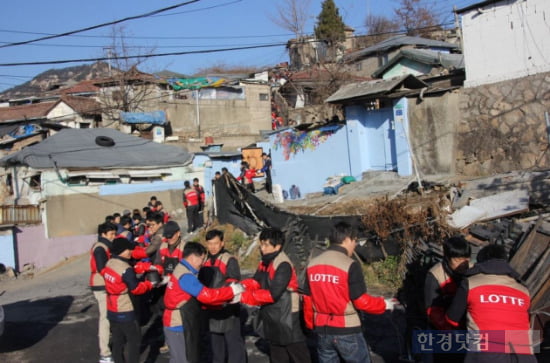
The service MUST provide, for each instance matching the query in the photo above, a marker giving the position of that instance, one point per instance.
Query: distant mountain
(56, 78)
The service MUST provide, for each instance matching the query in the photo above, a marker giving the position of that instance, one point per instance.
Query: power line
(151, 13)
(142, 56)
(205, 51)
(156, 37)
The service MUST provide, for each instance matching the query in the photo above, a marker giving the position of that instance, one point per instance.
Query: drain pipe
(64, 181)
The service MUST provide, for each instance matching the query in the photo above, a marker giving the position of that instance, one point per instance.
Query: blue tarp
(154, 117)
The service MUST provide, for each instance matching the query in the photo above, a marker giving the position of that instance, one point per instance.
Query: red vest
(500, 303)
(328, 283)
(118, 299)
(174, 298)
(191, 197)
(168, 259)
(95, 277)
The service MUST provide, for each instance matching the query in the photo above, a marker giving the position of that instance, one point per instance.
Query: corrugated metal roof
(426, 56)
(399, 41)
(378, 87)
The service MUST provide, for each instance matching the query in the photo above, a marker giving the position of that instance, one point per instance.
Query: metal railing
(20, 214)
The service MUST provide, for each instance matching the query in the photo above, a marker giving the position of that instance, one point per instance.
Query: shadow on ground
(29, 321)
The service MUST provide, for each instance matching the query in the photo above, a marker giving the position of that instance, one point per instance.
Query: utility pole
(457, 29)
(109, 54)
(198, 96)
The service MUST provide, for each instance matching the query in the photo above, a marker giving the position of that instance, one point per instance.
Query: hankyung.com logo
(462, 341)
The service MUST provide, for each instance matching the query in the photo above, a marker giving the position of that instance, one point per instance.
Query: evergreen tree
(330, 26)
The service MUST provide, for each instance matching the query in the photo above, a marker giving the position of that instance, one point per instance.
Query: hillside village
(471, 103)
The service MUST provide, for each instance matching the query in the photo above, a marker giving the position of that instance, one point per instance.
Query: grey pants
(176, 343)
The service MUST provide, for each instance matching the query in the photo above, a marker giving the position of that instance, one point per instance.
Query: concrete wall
(502, 126)
(79, 214)
(432, 125)
(7, 247)
(34, 248)
(222, 117)
(507, 40)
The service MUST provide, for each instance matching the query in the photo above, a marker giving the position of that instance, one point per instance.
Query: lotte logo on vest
(501, 299)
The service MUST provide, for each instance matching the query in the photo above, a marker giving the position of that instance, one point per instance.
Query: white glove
(390, 303)
(236, 299)
(237, 288)
(164, 281)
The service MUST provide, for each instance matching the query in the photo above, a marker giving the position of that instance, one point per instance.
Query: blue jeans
(351, 348)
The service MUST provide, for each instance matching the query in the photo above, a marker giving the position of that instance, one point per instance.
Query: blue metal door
(380, 140)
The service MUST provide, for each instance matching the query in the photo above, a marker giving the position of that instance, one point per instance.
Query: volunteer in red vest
(274, 288)
(224, 323)
(494, 301)
(191, 201)
(99, 255)
(202, 201)
(171, 249)
(334, 291)
(120, 282)
(443, 279)
(184, 292)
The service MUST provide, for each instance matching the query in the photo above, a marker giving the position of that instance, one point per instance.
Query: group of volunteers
(200, 292)
(202, 281)
(486, 300)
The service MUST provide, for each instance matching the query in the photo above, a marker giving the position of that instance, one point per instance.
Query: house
(420, 62)
(401, 124)
(27, 124)
(82, 175)
(56, 192)
(366, 61)
(505, 39)
(233, 111)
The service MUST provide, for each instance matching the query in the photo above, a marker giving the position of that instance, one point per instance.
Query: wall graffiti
(294, 141)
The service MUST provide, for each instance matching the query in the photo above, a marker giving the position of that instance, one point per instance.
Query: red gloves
(138, 253)
(256, 297)
(142, 267)
(250, 284)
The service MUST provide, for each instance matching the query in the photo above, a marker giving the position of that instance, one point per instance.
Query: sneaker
(106, 359)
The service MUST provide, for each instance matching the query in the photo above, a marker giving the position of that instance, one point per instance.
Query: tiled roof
(87, 86)
(83, 105)
(32, 111)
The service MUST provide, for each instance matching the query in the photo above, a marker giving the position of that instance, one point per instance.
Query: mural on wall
(293, 141)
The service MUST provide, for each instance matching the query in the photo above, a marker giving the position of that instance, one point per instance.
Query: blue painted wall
(309, 169)
(212, 165)
(7, 249)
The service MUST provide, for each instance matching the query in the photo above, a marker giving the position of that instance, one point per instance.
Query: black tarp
(237, 206)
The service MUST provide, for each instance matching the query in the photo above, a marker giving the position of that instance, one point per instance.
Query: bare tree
(416, 18)
(292, 15)
(379, 25)
(126, 89)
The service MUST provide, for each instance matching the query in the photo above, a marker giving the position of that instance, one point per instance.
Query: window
(264, 97)
(34, 182)
(382, 60)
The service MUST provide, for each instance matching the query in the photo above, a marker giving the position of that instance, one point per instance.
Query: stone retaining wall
(502, 127)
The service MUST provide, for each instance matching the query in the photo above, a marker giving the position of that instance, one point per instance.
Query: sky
(197, 26)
